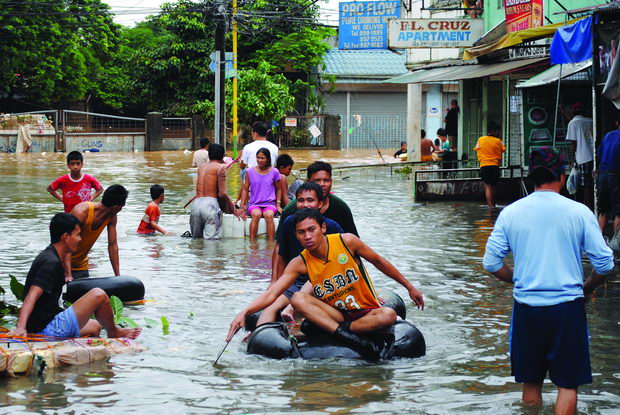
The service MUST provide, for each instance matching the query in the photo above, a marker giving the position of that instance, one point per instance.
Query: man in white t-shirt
(248, 154)
(201, 156)
(579, 132)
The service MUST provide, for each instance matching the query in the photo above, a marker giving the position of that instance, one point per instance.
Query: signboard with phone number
(363, 24)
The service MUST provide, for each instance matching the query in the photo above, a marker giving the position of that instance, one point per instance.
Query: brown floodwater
(200, 285)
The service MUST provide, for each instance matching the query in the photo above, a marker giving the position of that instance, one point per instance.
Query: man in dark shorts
(490, 149)
(579, 134)
(608, 178)
(342, 301)
(309, 195)
(547, 234)
(41, 313)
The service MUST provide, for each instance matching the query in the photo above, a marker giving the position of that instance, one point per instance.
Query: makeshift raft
(33, 354)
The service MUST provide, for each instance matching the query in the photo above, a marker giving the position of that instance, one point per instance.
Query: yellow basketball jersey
(79, 259)
(340, 281)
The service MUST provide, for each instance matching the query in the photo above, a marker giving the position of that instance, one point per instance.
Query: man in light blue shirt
(547, 235)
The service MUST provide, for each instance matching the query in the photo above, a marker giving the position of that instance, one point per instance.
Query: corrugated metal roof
(363, 63)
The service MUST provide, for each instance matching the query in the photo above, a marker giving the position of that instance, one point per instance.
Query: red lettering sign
(523, 14)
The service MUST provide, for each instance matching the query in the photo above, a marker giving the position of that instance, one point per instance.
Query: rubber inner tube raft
(273, 339)
(125, 288)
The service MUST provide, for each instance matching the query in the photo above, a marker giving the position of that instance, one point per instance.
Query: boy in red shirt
(148, 224)
(76, 186)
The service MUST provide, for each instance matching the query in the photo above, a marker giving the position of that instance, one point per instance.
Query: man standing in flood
(579, 133)
(489, 149)
(547, 234)
(205, 219)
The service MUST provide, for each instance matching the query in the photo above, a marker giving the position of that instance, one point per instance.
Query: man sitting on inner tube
(343, 300)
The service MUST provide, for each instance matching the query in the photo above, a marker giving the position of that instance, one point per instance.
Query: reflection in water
(200, 285)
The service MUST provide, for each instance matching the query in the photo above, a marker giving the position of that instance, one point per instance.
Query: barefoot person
(94, 218)
(205, 219)
(40, 312)
(343, 300)
(548, 234)
(309, 196)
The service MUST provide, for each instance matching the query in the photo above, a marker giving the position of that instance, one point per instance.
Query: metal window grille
(82, 123)
(177, 128)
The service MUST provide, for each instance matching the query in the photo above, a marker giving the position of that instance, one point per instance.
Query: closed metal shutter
(376, 117)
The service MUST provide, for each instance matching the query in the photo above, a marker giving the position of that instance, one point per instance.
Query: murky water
(200, 285)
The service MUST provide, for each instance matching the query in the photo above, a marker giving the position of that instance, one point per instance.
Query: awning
(552, 74)
(515, 38)
(466, 71)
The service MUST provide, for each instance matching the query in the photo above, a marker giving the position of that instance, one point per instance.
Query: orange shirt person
(490, 149)
(342, 300)
(149, 223)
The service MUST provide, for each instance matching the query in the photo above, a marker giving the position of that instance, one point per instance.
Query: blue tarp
(572, 43)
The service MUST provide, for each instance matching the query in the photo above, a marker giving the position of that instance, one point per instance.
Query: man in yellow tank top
(94, 218)
(341, 298)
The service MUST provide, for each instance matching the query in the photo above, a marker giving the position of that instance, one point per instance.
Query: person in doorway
(490, 149)
(547, 235)
(76, 187)
(608, 178)
(444, 144)
(150, 220)
(452, 122)
(579, 133)
(40, 312)
(95, 217)
(309, 196)
(401, 150)
(205, 218)
(201, 155)
(343, 300)
(427, 148)
(262, 183)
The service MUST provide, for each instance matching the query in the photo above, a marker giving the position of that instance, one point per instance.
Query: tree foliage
(58, 51)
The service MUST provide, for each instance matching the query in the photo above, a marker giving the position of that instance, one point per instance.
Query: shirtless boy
(40, 312)
(205, 219)
(94, 218)
(343, 300)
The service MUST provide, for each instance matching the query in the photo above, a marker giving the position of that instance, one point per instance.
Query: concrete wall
(40, 143)
(177, 144)
(107, 143)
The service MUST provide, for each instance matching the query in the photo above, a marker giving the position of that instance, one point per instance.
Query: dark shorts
(550, 338)
(296, 286)
(80, 274)
(489, 174)
(355, 314)
(585, 174)
(608, 188)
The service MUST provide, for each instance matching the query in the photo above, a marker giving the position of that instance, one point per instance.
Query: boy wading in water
(150, 220)
(76, 186)
(547, 234)
(41, 313)
(205, 219)
(343, 299)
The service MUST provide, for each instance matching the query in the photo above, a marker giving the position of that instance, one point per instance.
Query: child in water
(148, 225)
(263, 185)
(76, 186)
(284, 164)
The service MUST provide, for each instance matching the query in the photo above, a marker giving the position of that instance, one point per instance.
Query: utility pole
(235, 85)
(220, 78)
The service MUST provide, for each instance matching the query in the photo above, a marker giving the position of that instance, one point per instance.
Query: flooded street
(200, 285)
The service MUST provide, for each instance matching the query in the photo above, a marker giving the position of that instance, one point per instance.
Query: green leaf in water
(164, 325)
(150, 323)
(17, 288)
(127, 322)
(117, 308)
(94, 375)
(190, 315)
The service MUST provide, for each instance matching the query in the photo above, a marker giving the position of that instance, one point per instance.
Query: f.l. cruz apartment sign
(434, 33)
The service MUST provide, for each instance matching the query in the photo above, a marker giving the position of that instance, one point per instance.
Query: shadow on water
(200, 285)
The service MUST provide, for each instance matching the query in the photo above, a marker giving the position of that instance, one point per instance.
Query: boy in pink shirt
(148, 224)
(76, 186)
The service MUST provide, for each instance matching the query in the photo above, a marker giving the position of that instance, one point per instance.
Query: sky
(128, 12)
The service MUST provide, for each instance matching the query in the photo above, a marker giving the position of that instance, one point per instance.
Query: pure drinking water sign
(363, 24)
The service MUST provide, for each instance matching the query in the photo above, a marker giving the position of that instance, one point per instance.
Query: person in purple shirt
(608, 178)
(263, 185)
(309, 195)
